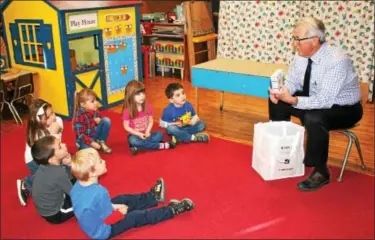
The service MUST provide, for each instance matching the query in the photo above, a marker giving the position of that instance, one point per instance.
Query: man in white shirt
(321, 89)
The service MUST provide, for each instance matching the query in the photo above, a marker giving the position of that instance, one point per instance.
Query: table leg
(221, 100)
(196, 100)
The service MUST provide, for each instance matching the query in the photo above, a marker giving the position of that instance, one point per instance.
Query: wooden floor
(236, 121)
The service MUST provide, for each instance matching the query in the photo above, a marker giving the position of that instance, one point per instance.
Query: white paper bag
(278, 150)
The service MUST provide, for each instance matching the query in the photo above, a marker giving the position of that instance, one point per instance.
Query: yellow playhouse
(74, 44)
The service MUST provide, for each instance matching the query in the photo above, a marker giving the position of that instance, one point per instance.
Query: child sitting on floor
(51, 185)
(42, 122)
(180, 119)
(91, 129)
(138, 120)
(99, 216)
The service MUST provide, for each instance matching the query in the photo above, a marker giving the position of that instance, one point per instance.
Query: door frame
(98, 44)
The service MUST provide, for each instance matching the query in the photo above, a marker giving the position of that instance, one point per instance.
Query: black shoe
(201, 137)
(315, 181)
(322, 171)
(159, 190)
(173, 142)
(133, 150)
(179, 207)
(23, 193)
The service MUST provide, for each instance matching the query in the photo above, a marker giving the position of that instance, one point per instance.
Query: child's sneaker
(179, 207)
(133, 150)
(173, 142)
(104, 147)
(159, 190)
(201, 137)
(23, 193)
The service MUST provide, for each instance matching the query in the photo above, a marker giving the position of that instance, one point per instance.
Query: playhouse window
(84, 53)
(33, 43)
(32, 51)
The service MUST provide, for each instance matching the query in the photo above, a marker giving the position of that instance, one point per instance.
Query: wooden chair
(201, 38)
(3, 100)
(209, 47)
(352, 137)
(24, 87)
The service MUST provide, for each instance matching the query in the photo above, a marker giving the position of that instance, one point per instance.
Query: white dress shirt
(333, 79)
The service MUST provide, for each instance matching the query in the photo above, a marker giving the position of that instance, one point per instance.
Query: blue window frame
(32, 42)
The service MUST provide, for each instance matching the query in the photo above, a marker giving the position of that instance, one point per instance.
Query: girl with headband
(42, 122)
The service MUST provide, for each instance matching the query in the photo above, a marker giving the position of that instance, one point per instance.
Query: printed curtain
(261, 30)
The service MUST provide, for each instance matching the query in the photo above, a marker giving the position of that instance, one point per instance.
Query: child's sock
(192, 137)
(164, 145)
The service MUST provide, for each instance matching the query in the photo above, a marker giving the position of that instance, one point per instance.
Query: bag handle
(295, 144)
(295, 141)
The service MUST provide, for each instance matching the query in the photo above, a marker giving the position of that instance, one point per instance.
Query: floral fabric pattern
(261, 30)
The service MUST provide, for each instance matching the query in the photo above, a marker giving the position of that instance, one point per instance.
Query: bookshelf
(170, 47)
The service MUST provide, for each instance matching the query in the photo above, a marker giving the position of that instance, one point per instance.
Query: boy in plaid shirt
(91, 129)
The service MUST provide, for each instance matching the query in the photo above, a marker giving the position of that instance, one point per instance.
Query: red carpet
(232, 201)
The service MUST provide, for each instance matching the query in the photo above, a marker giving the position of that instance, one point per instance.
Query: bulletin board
(121, 60)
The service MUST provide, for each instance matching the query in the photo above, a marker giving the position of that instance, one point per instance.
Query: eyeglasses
(301, 39)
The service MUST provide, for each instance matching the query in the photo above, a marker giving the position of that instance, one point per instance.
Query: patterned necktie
(306, 81)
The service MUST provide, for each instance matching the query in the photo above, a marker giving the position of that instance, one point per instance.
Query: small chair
(24, 87)
(352, 137)
(201, 37)
(3, 99)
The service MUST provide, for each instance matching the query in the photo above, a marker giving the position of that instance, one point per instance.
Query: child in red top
(91, 129)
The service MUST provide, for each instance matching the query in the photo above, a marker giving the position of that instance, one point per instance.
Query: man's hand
(273, 97)
(284, 95)
(97, 120)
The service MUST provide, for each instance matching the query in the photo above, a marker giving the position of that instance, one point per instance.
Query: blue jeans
(101, 133)
(28, 180)
(137, 214)
(152, 142)
(184, 133)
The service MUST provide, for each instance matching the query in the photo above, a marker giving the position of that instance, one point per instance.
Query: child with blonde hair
(91, 129)
(101, 217)
(42, 122)
(138, 120)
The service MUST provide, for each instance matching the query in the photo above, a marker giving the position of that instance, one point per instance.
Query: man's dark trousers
(318, 123)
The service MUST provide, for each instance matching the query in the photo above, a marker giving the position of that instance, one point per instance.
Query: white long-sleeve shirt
(28, 156)
(333, 79)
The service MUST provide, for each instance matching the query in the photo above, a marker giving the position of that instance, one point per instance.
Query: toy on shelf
(170, 54)
(173, 61)
(169, 47)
